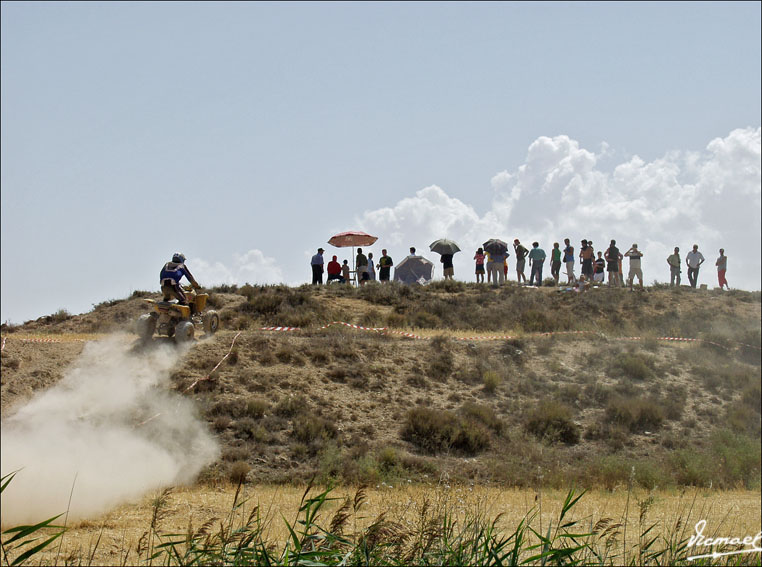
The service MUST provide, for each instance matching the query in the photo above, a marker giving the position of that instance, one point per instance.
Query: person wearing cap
(634, 255)
(317, 267)
(694, 259)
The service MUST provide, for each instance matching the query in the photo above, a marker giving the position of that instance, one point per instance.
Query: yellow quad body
(174, 320)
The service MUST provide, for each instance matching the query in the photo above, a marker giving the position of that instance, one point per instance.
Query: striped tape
(387, 331)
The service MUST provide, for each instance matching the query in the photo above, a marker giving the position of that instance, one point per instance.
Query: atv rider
(170, 277)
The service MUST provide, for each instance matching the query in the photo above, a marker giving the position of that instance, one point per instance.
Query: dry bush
(436, 431)
(291, 406)
(635, 414)
(491, 381)
(309, 429)
(238, 472)
(551, 421)
(482, 414)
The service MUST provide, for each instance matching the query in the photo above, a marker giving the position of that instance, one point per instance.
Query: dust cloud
(111, 430)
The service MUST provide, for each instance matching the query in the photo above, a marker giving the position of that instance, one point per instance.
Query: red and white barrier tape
(386, 330)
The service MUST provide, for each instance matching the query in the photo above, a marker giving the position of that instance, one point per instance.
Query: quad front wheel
(211, 321)
(184, 332)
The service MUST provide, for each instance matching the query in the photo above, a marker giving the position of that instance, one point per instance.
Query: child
(345, 271)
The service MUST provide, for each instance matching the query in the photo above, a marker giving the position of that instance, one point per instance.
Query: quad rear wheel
(184, 332)
(145, 326)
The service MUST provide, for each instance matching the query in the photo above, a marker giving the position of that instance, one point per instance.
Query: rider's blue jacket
(174, 271)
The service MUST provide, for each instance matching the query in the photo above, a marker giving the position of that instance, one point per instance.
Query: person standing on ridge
(317, 267)
(613, 256)
(694, 259)
(635, 270)
(479, 257)
(722, 266)
(536, 260)
(555, 262)
(361, 267)
(674, 267)
(385, 264)
(569, 261)
(521, 254)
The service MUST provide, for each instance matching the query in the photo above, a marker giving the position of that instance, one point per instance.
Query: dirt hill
(458, 381)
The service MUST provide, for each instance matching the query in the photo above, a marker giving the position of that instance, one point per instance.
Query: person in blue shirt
(170, 277)
(536, 260)
(317, 267)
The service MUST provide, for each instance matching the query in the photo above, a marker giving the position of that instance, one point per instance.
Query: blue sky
(246, 134)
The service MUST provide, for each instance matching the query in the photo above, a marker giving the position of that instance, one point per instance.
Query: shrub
(440, 366)
(633, 365)
(482, 414)
(551, 421)
(435, 431)
(238, 472)
(291, 406)
(311, 428)
(491, 381)
(635, 414)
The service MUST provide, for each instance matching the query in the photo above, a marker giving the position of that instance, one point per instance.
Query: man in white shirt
(694, 259)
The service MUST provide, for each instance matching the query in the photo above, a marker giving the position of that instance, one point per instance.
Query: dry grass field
(114, 538)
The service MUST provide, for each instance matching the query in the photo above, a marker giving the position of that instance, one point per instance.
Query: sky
(245, 135)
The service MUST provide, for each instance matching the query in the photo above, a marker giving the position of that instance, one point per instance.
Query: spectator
(447, 268)
(479, 257)
(634, 255)
(694, 259)
(371, 268)
(521, 254)
(317, 267)
(722, 266)
(496, 268)
(582, 284)
(385, 264)
(345, 271)
(674, 267)
(412, 250)
(334, 271)
(613, 256)
(536, 260)
(489, 267)
(599, 268)
(361, 267)
(555, 262)
(587, 256)
(569, 261)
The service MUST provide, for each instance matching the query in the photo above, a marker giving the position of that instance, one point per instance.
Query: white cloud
(710, 198)
(251, 267)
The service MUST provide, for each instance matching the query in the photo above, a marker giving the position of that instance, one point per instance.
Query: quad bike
(171, 319)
